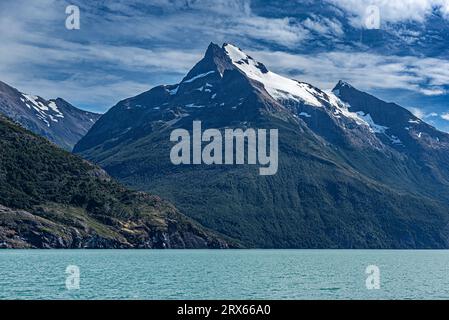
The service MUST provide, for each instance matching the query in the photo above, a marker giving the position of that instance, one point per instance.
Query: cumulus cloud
(445, 116)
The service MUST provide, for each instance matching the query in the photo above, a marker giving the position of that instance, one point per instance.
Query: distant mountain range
(57, 120)
(354, 171)
(50, 198)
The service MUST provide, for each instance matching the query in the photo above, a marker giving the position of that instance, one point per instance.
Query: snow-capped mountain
(400, 126)
(354, 171)
(56, 119)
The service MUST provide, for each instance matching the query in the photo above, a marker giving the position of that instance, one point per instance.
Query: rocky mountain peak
(54, 119)
(215, 62)
(341, 85)
(242, 60)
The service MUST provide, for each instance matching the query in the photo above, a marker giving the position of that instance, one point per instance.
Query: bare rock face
(20, 229)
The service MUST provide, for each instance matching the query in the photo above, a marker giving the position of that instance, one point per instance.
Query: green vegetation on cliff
(51, 198)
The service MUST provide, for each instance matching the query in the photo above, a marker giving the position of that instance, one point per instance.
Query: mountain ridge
(54, 119)
(345, 179)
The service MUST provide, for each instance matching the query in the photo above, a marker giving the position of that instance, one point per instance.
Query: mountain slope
(52, 199)
(421, 149)
(343, 180)
(56, 120)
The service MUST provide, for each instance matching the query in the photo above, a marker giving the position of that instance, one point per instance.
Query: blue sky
(126, 47)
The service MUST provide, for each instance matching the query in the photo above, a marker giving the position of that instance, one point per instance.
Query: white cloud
(95, 91)
(417, 112)
(221, 20)
(433, 91)
(36, 46)
(392, 10)
(445, 116)
(40, 56)
(88, 86)
(323, 26)
(422, 114)
(283, 31)
(365, 70)
(121, 57)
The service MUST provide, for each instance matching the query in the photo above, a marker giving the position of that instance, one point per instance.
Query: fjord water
(224, 274)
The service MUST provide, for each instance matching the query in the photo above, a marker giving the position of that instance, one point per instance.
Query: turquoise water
(215, 274)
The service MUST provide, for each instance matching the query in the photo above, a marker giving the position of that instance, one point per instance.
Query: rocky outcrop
(21, 229)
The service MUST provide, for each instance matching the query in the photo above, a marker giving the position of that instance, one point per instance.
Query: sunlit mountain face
(126, 47)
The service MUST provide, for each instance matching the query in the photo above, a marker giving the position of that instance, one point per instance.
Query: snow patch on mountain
(376, 128)
(192, 105)
(36, 104)
(279, 87)
(342, 109)
(173, 91)
(305, 114)
(359, 117)
(46, 111)
(284, 89)
(395, 140)
(198, 76)
(52, 105)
